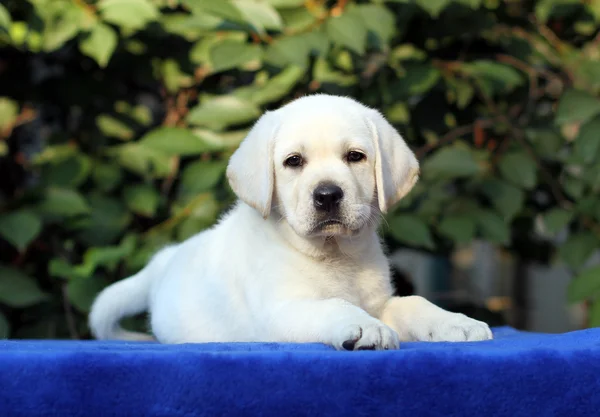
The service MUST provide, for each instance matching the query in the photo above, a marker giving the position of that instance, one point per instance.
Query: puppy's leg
(416, 319)
(333, 321)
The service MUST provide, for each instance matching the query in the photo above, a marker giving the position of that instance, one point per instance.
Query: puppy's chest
(346, 280)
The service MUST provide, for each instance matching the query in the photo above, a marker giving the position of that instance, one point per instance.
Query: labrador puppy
(298, 258)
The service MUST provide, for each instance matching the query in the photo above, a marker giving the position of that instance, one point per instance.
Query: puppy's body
(298, 259)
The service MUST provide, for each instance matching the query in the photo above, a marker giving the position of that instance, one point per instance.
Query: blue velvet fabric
(517, 374)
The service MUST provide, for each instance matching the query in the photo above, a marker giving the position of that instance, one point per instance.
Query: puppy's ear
(250, 171)
(396, 167)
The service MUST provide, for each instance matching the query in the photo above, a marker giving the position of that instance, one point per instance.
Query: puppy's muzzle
(327, 197)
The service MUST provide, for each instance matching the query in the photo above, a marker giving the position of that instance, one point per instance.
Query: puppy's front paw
(453, 327)
(373, 335)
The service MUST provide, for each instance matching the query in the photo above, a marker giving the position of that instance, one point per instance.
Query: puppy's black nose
(327, 197)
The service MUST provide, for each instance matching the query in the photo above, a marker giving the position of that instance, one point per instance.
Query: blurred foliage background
(117, 118)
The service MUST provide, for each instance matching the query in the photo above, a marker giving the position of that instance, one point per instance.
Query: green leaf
(379, 20)
(494, 77)
(173, 141)
(473, 4)
(58, 267)
(280, 4)
(18, 33)
(573, 186)
(298, 19)
(201, 176)
(149, 246)
(578, 248)
(18, 290)
(547, 142)
(544, 9)
(221, 8)
(576, 106)
(111, 126)
(273, 89)
(82, 292)
(107, 176)
(63, 22)
(323, 72)
(59, 202)
(296, 49)
(587, 205)
(144, 161)
(5, 23)
(107, 256)
(128, 14)
(411, 230)
(587, 144)
(464, 93)
(140, 113)
(348, 30)
(459, 228)
(398, 113)
(406, 52)
(587, 72)
(433, 7)
(259, 14)
(585, 285)
(100, 44)
(173, 76)
(220, 112)
(200, 52)
(594, 314)
(556, 219)
(4, 325)
(189, 26)
(450, 162)
(232, 54)
(288, 50)
(520, 169)
(20, 227)
(418, 79)
(55, 154)
(9, 109)
(591, 175)
(506, 198)
(203, 211)
(66, 173)
(142, 199)
(108, 220)
(492, 227)
(432, 201)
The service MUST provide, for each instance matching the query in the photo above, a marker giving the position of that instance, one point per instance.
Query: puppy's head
(328, 165)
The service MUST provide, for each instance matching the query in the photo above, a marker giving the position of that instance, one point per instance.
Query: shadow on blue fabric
(517, 374)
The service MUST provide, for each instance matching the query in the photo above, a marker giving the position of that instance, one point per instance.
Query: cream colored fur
(271, 270)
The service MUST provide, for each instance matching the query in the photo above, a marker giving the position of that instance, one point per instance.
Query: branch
(452, 136)
(338, 9)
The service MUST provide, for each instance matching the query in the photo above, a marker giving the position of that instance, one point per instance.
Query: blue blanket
(517, 374)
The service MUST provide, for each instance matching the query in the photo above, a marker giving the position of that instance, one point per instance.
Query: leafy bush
(117, 118)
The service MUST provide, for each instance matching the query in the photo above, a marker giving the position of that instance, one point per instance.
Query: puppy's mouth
(332, 227)
(327, 223)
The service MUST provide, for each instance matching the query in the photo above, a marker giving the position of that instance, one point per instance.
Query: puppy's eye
(294, 161)
(355, 156)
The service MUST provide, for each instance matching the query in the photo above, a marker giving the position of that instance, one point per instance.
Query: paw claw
(451, 327)
(371, 347)
(349, 344)
(372, 335)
